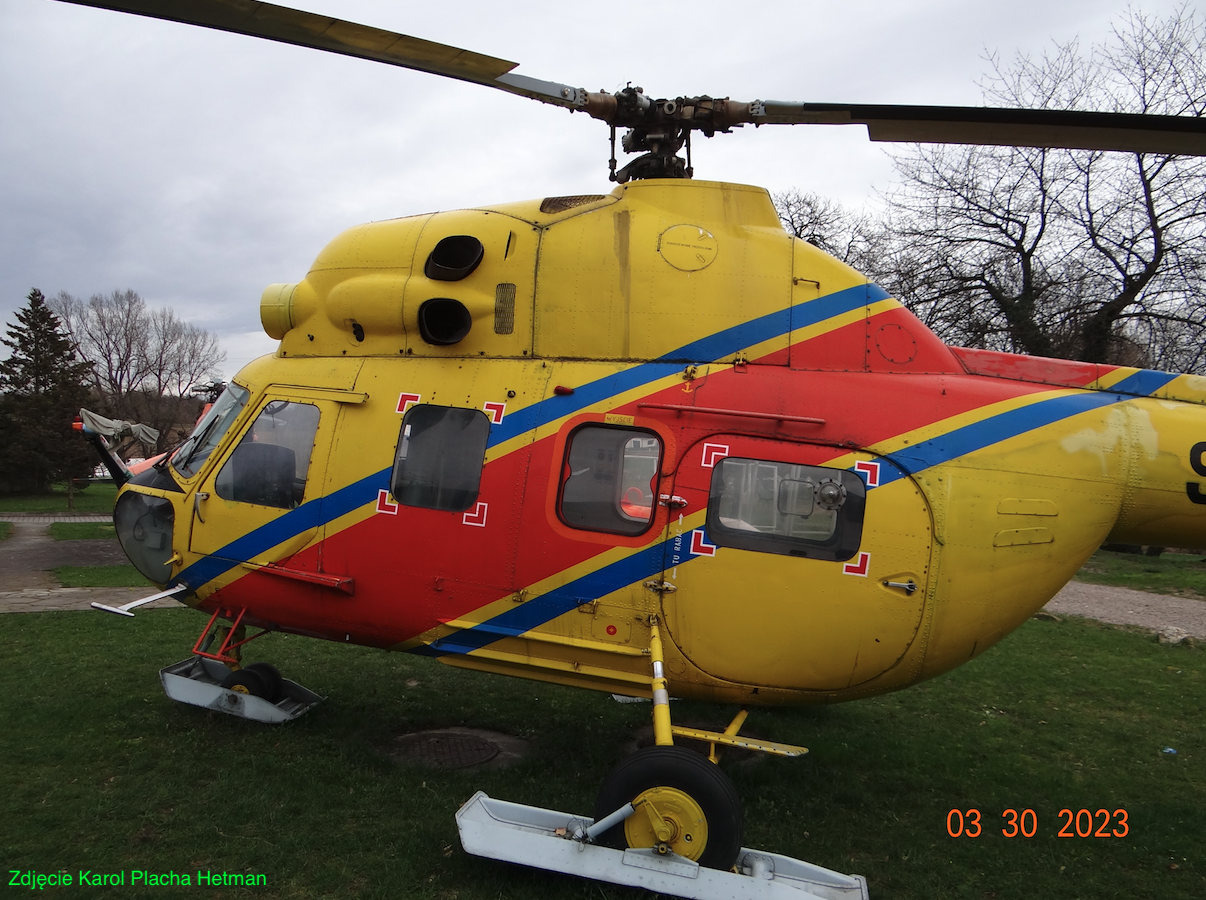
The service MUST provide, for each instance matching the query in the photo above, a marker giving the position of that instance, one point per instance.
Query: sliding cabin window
(787, 508)
(441, 452)
(609, 479)
(272, 461)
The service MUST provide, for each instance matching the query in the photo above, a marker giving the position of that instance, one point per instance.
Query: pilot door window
(272, 461)
(441, 451)
(609, 480)
(787, 508)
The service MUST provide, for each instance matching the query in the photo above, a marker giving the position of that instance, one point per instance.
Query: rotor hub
(659, 129)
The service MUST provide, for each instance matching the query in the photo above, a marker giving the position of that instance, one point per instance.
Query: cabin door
(794, 566)
(247, 508)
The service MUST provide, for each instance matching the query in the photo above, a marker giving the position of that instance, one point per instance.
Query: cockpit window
(272, 462)
(193, 453)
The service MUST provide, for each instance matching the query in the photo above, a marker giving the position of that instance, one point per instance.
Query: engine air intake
(454, 258)
(443, 321)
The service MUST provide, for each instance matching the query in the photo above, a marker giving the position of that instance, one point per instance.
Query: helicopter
(645, 442)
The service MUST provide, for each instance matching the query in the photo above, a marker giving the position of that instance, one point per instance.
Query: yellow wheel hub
(667, 816)
(240, 689)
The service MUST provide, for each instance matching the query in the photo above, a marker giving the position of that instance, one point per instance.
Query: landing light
(144, 528)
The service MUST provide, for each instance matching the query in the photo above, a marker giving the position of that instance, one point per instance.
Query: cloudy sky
(197, 167)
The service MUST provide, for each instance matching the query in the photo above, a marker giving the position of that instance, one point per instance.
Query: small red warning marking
(870, 471)
(405, 400)
(859, 566)
(611, 630)
(713, 453)
(700, 545)
(386, 505)
(495, 411)
(477, 516)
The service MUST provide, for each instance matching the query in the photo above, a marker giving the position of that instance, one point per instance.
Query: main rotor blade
(1070, 129)
(922, 124)
(292, 26)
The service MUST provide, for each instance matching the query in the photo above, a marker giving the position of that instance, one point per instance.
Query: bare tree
(143, 360)
(1086, 255)
(827, 224)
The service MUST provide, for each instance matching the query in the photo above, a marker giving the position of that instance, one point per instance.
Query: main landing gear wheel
(273, 680)
(689, 806)
(247, 681)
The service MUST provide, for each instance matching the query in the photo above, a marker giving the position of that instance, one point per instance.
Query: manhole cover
(446, 749)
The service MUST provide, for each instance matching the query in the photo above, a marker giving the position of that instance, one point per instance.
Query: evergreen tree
(42, 387)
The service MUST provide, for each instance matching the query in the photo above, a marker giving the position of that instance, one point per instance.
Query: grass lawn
(6, 529)
(100, 771)
(96, 498)
(81, 531)
(99, 576)
(1181, 574)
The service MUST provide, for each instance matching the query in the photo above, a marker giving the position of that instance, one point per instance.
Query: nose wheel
(683, 804)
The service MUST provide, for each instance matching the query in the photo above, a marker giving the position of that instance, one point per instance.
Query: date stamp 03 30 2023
(1080, 823)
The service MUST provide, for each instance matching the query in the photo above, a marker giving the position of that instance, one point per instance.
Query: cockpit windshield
(193, 453)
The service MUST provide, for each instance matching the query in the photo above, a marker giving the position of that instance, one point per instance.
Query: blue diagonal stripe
(716, 346)
(1143, 383)
(308, 515)
(1005, 425)
(599, 583)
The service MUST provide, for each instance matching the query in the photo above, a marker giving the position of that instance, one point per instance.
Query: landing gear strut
(682, 803)
(216, 678)
(666, 820)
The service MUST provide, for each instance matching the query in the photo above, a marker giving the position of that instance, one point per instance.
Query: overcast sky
(197, 167)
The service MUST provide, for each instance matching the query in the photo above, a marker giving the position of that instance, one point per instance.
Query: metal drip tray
(198, 682)
(541, 838)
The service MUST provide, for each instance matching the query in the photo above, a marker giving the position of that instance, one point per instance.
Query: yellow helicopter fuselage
(654, 403)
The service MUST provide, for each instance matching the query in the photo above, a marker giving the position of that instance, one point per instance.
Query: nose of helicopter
(144, 527)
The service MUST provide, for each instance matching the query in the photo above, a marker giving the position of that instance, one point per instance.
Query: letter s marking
(1197, 458)
(1198, 464)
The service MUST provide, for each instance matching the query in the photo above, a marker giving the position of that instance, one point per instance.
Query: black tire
(246, 681)
(272, 679)
(686, 772)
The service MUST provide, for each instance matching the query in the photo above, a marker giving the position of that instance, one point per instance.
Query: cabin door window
(787, 508)
(609, 479)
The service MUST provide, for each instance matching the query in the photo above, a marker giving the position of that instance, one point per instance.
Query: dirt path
(1122, 606)
(29, 553)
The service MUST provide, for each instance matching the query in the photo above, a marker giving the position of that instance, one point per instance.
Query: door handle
(907, 586)
(197, 498)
